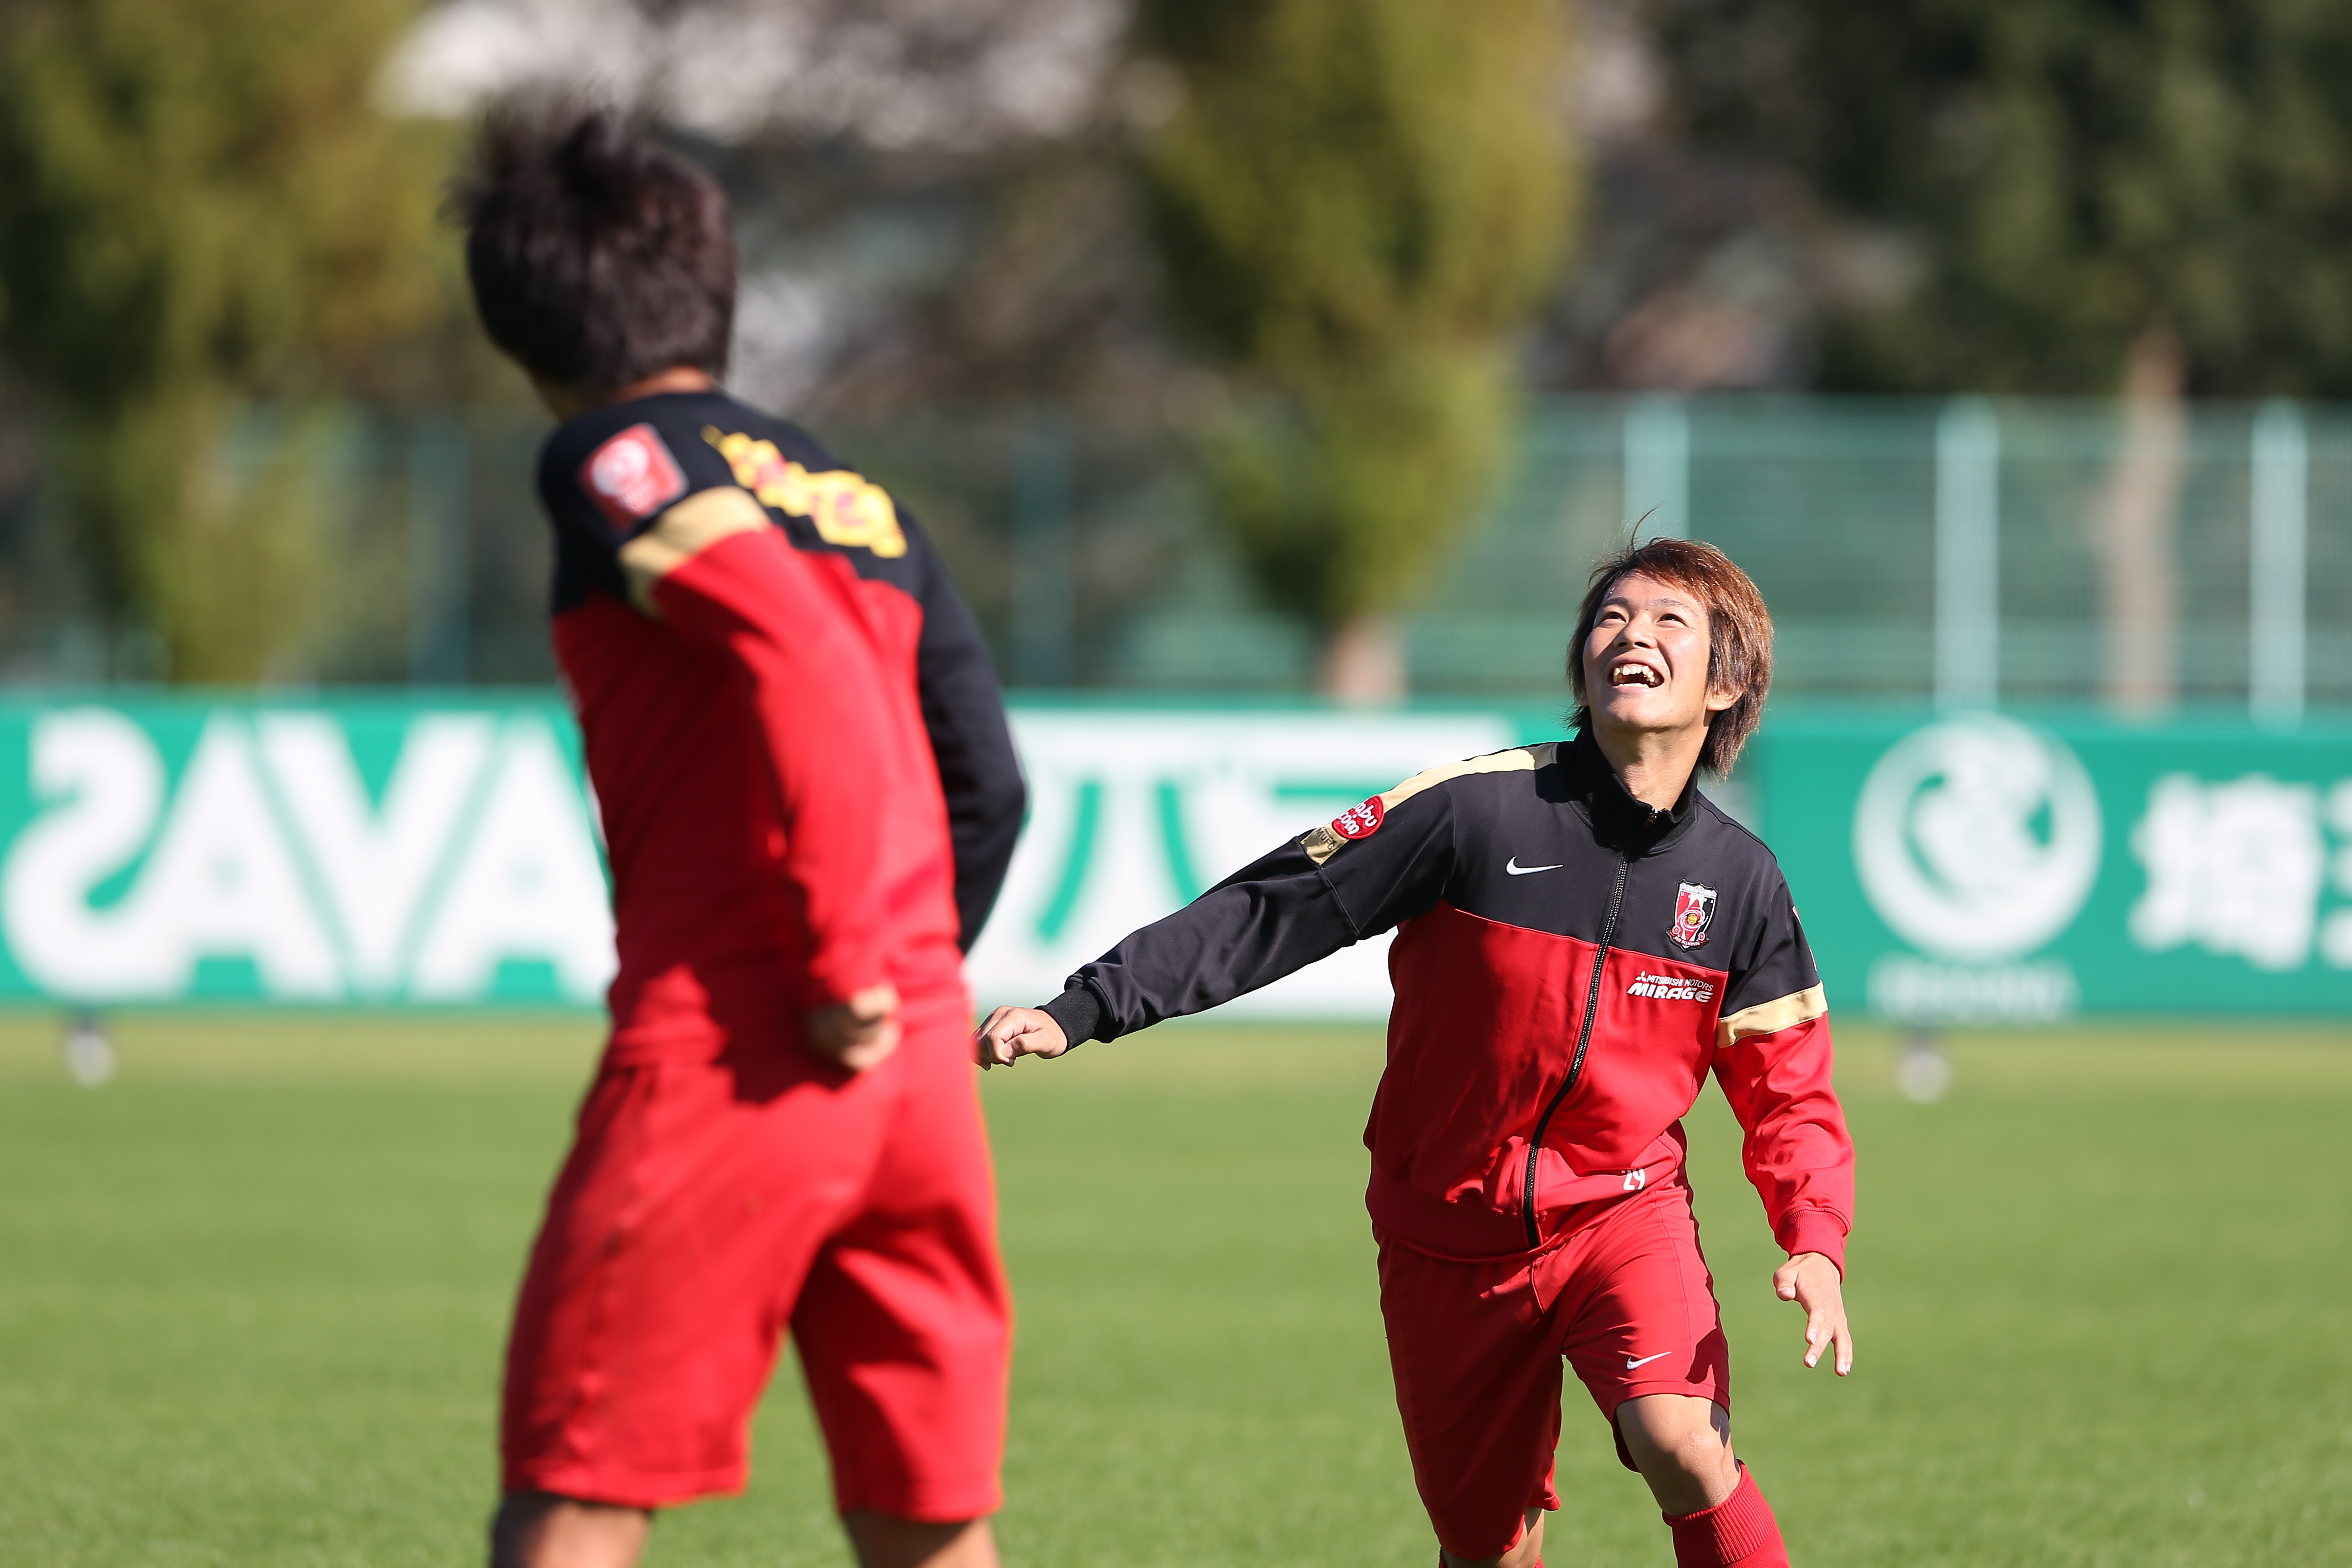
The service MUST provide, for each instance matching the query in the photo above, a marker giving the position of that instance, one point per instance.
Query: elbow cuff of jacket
(1815, 1230)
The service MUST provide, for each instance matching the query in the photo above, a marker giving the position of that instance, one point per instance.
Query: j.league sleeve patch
(631, 476)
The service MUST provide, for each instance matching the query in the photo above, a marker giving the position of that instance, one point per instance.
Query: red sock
(1737, 1532)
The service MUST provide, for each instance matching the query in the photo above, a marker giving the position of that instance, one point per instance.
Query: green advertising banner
(442, 849)
(374, 850)
(1981, 868)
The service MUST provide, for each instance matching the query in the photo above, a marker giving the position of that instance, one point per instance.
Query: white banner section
(1133, 813)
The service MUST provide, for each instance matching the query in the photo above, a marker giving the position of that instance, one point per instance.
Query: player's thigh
(1473, 1351)
(1640, 1315)
(903, 1322)
(726, 1175)
(678, 1237)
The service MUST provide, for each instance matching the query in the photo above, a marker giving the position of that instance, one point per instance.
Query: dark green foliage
(2070, 173)
(1357, 201)
(199, 203)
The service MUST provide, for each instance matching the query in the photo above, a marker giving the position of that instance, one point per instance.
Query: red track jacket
(1569, 965)
(801, 768)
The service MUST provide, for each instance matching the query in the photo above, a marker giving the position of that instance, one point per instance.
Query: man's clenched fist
(1012, 1033)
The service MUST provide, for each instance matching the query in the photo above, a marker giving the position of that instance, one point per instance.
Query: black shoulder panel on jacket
(606, 475)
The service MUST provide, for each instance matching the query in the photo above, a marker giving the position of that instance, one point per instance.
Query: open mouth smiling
(1629, 673)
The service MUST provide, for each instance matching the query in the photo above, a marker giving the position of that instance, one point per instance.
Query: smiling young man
(809, 798)
(1581, 937)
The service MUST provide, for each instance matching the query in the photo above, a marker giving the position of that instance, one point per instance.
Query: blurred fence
(2034, 553)
(1921, 550)
(433, 554)
(2045, 552)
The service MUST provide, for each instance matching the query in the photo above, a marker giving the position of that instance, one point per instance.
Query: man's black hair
(597, 258)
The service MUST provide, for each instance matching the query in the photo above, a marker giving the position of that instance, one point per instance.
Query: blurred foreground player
(810, 798)
(1581, 936)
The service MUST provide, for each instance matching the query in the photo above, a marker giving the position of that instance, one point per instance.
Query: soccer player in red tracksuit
(1581, 937)
(809, 796)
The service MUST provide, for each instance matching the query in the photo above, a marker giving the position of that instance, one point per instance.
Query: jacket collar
(1621, 820)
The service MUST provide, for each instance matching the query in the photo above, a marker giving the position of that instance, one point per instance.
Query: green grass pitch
(252, 1296)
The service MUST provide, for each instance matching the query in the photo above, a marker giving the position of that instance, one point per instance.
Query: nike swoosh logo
(1631, 1364)
(1516, 870)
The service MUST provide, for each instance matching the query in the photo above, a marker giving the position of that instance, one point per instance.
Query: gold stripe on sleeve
(1771, 1017)
(1320, 842)
(684, 532)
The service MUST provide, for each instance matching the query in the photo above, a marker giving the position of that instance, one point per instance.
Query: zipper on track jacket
(1584, 1040)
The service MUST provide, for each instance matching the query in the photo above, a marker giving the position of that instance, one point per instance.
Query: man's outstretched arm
(1271, 918)
(1307, 899)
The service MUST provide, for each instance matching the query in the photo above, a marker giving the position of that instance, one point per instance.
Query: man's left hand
(1812, 1282)
(858, 1033)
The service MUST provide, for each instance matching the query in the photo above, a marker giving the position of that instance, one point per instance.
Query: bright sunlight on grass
(252, 1296)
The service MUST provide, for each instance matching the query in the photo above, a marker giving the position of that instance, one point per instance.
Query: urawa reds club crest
(1693, 909)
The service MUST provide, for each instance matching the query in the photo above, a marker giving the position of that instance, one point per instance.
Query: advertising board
(1968, 868)
(1983, 867)
(374, 850)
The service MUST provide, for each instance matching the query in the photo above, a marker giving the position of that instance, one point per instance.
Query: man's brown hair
(597, 258)
(1739, 627)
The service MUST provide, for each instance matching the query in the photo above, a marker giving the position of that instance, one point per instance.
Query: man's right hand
(858, 1033)
(1012, 1033)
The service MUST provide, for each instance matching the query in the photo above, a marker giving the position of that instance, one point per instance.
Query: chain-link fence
(2022, 552)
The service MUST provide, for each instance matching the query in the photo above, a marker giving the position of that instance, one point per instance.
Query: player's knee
(1670, 1434)
(1525, 1552)
(890, 1541)
(533, 1529)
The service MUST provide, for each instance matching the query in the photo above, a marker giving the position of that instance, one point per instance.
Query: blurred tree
(2092, 193)
(199, 205)
(1357, 202)
(2147, 197)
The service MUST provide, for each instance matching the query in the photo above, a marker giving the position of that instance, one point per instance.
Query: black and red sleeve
(1331, 886)
(963, 709)
(1774, 1059)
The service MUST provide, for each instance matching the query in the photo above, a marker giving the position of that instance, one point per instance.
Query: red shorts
(1475, 1346)
(704, 1207)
